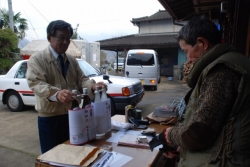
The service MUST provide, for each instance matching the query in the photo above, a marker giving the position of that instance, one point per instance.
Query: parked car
(120, 64)
(15, 92)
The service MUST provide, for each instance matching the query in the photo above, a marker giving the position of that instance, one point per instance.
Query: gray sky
(97, 19)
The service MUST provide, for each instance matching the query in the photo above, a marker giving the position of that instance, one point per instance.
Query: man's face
(193, 52)
(60, 41)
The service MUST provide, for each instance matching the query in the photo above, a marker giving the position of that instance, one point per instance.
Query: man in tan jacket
(51, 75)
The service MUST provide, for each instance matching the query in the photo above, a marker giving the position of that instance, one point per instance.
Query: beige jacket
(44, 78)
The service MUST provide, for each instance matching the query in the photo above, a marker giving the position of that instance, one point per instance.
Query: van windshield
(120, 60)
(145, 59)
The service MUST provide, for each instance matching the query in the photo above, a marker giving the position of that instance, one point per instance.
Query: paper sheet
(132, 141)
(117, 160)
(118, 135)
(120, 160)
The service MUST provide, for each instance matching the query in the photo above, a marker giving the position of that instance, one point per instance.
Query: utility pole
(11, 15)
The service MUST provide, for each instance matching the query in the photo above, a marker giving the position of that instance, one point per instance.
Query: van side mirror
(106, 77)
(127, 73)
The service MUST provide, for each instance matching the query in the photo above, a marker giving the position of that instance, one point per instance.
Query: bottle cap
(85, 91)
(74, 91)
(103, 88)
(97, 89)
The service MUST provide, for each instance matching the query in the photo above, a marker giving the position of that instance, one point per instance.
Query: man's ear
(203, 42)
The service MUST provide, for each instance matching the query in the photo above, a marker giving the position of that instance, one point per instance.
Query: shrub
(5, 65)
(8, 42)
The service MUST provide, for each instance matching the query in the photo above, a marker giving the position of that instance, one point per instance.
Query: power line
(21, 43)
(38, 11)
(30, 22)
(31, 36)
(105, 21)
(89, 23)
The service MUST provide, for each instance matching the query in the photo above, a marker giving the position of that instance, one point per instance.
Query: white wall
(90, 51)
(159, 26)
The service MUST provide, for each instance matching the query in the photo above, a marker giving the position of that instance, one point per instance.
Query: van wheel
(159, 80)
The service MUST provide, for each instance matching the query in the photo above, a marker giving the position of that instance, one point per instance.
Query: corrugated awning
(135, 41)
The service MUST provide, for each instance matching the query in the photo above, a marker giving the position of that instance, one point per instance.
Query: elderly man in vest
(215, 128)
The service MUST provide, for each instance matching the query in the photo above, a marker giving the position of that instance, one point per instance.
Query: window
(21, 72)
(87, 69)
(120, 60)
(141, 59)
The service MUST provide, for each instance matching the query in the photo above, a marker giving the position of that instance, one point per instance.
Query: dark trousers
(53, 131)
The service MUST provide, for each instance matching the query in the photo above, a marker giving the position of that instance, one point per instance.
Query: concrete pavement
(19, 142)
(166, 93)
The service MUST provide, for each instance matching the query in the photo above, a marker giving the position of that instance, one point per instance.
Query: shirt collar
(54, 53)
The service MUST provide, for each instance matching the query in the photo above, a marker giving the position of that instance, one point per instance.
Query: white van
(144, 65)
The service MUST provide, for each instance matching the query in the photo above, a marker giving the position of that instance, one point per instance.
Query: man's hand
(167, 150)
(157, 140)
(174, 153)
(154, 142)
(65, 96)
(99, 86)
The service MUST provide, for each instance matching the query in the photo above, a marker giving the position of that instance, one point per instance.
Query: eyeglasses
(62, 39)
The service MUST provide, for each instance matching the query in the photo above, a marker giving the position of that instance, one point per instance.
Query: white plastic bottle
(98, 113)
(107, 116)
(104, 94)
(97, 95)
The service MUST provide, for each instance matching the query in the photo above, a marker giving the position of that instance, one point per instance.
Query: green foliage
(5, 64)
(8, 42)
(17, 50)
(75, 34)
(103, 58)
(20, 24)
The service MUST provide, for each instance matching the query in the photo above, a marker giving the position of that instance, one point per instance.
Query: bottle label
(82, 125)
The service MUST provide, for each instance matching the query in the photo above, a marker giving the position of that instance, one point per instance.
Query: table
(141, 157)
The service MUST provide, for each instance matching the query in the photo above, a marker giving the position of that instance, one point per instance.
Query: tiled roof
(156, 40)
(160, 15)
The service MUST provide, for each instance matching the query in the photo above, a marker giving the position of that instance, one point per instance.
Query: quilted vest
(232, 147)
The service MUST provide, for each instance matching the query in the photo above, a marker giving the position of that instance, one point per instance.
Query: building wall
(167, 59)
(182, 58)
(160, 26)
